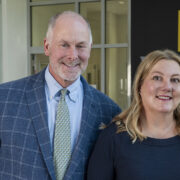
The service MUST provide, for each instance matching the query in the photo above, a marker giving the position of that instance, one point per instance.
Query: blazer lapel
(87, 131)
(37, 104)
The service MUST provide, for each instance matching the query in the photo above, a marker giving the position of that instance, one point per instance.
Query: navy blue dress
(115, 157)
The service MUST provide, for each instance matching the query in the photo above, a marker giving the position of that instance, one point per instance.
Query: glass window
(38, 62)
(38, 0)
(92, 12)
(93, 71)
(40, 19)
(116, 75)
(116, 21)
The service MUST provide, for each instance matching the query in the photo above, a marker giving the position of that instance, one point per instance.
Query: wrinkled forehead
(71, 29)
(71, 19)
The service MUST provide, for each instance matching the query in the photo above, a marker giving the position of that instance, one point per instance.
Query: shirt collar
(54, 87)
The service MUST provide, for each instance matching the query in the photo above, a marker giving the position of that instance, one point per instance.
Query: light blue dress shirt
(74, 101)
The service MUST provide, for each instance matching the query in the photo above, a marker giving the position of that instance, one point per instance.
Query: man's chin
(71, 78)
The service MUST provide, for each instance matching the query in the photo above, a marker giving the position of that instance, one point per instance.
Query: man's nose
(73, 53)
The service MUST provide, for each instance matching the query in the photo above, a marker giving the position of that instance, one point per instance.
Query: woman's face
(160, 91)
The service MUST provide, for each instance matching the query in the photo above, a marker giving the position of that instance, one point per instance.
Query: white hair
(54, 18)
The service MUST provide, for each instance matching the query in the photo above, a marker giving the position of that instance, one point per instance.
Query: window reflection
(38, 62)
(92, 12)
(116, 75)
(93, 71)
(116, 21)
(37, 0)
(40, 19)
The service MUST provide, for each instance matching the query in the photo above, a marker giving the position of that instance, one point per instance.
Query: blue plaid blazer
(25, 150)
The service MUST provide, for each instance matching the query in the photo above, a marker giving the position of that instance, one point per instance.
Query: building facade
(123, 32)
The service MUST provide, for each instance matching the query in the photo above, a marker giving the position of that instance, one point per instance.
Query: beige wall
(14, 40)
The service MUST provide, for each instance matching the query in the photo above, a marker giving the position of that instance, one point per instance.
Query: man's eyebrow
(176, 75)
(83, 43)
(64, 41)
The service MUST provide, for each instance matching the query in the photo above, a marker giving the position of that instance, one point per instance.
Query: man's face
(68, 49)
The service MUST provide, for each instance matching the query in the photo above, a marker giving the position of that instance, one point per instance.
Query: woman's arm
(101, 161)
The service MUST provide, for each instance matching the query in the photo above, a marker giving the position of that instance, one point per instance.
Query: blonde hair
(129, 120)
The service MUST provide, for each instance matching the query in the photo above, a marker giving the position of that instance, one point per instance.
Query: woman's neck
(160, 126)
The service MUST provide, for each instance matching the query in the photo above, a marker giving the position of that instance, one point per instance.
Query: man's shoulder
(21, 84)
(93, 92)
(98, 97)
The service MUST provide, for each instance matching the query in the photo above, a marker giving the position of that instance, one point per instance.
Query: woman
(143, 142)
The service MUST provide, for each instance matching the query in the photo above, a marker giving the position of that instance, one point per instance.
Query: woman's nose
(167, 85)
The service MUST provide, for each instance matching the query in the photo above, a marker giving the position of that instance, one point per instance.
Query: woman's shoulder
(113, 129)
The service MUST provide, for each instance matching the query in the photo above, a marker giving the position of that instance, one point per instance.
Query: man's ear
(46, 47)
(91, 45)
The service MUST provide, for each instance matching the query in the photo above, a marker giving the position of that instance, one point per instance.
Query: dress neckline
(162, 142)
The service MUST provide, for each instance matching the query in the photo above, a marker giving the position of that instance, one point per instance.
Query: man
(28, 108)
